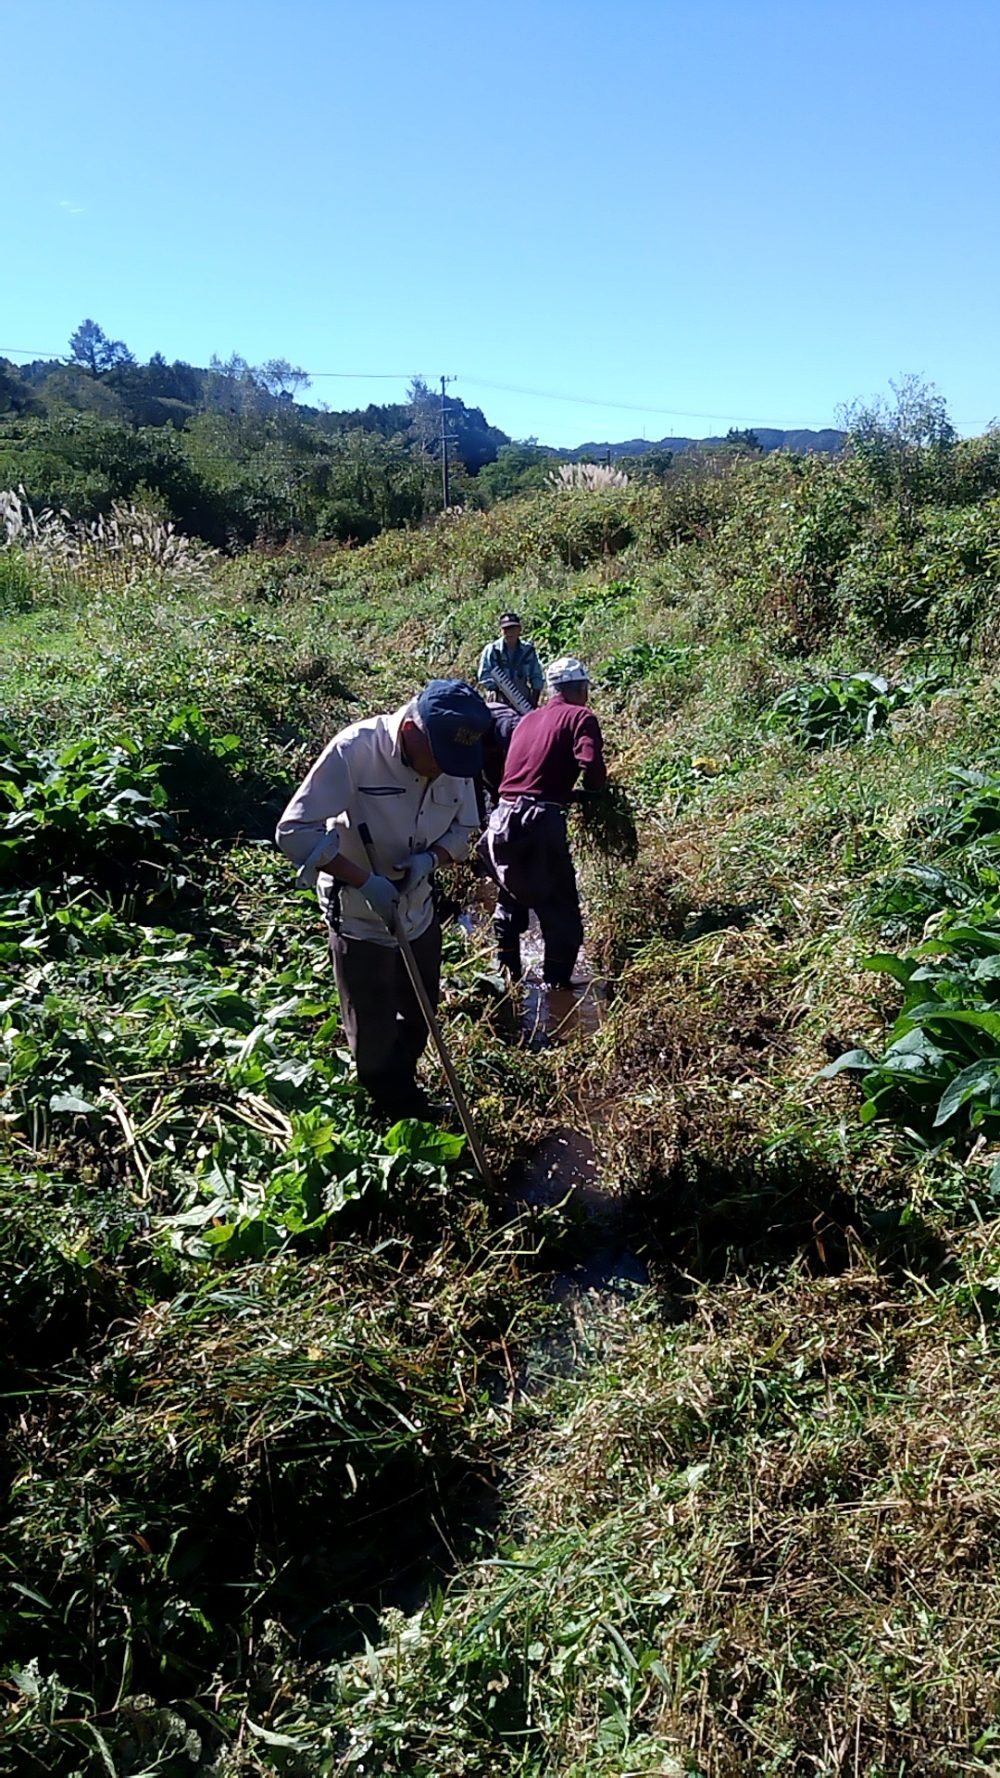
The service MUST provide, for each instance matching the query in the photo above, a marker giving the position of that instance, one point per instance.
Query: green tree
(281, 379)
(91, 347)
(517, 467)
(744, 441)
(374, 484)
(69, 387)
(904, 446)
(15, 394)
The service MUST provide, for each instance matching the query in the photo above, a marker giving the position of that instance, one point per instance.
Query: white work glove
(382, 897)
(418, 868)
(321, 855)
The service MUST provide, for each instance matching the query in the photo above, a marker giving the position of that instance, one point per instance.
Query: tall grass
(129, 546)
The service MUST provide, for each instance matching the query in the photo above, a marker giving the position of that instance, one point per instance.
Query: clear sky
(684, 213)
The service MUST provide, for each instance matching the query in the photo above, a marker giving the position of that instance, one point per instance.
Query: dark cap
(509, 617)
(455, 720)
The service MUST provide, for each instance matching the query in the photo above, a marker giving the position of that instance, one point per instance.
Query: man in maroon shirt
(525, 847)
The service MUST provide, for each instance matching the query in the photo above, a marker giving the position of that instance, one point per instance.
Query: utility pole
(447, 438)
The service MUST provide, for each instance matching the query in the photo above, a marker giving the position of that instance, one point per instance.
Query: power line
(474, 382)
(634, 407)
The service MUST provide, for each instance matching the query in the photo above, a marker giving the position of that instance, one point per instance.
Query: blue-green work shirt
(520, 664)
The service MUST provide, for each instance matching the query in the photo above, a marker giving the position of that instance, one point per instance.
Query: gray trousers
(381, 1016)
(531, 864)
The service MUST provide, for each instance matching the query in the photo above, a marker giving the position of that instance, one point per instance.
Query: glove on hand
(418, 868)
(382, 897)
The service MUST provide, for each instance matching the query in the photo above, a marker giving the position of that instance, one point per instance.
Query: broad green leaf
(980, 1021)
(856, 1060)
(423, 1141)
(271, 1738)
(887, 963)
(977, 1079)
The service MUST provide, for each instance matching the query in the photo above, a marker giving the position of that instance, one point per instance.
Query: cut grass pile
(763, 1540)
(239, 1456)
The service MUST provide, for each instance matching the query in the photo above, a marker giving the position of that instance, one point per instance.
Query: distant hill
(770, 438)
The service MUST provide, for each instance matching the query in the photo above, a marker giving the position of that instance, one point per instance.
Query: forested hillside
(320, 1456)
(234, 454)
(227, 452)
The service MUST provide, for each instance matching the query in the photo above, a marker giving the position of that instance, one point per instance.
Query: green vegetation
(226, 452)
(846, 706)
(308, 1468)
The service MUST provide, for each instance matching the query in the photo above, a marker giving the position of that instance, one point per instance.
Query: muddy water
(558, 1013)
(564, 1171)
(555, 1014)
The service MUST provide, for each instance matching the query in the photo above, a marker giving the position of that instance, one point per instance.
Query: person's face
(511, 634)
(418, 752)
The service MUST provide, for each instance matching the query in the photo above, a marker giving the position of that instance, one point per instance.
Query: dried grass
(127, 547)
(810, 1481)
(592, 476)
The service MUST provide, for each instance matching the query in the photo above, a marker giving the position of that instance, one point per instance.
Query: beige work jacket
(362, 776)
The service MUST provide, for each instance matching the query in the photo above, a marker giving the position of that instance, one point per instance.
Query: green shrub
(641, 660)
(85, 809)
(844, 707)
(780, 551)
(941, 1060)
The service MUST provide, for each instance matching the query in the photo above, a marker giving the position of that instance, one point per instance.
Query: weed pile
(761, 1537)
(607, 824)
(252, 1451)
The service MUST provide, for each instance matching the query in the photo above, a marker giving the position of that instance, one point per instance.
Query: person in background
(525, 847)
(496, 741)
(409, 776)
(517, 660)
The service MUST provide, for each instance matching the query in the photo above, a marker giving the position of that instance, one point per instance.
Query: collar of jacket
(394, 757)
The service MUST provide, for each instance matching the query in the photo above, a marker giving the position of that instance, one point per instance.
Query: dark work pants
(548, 885)
(381, 1016)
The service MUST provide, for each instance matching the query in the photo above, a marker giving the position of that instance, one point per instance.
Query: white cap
(567, 670)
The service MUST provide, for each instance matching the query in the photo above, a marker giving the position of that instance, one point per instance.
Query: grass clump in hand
(607, 823)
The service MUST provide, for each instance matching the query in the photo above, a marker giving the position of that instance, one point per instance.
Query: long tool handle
(430, 1019)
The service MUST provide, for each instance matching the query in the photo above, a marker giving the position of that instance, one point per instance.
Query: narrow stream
(565, 1170)
(588, 1297)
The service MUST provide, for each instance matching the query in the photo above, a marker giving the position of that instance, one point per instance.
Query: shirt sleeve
(486, 665)
(457, 840)
(536, 678)
(323, 795)
(588, 751)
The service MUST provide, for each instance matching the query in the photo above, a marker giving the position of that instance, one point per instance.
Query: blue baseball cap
(455, 719)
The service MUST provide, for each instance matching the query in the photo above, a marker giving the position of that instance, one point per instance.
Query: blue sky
(685, 214)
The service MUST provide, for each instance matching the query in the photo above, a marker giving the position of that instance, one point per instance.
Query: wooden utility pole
(446, 439)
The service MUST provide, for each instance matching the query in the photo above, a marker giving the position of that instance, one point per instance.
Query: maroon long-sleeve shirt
(550, 747)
